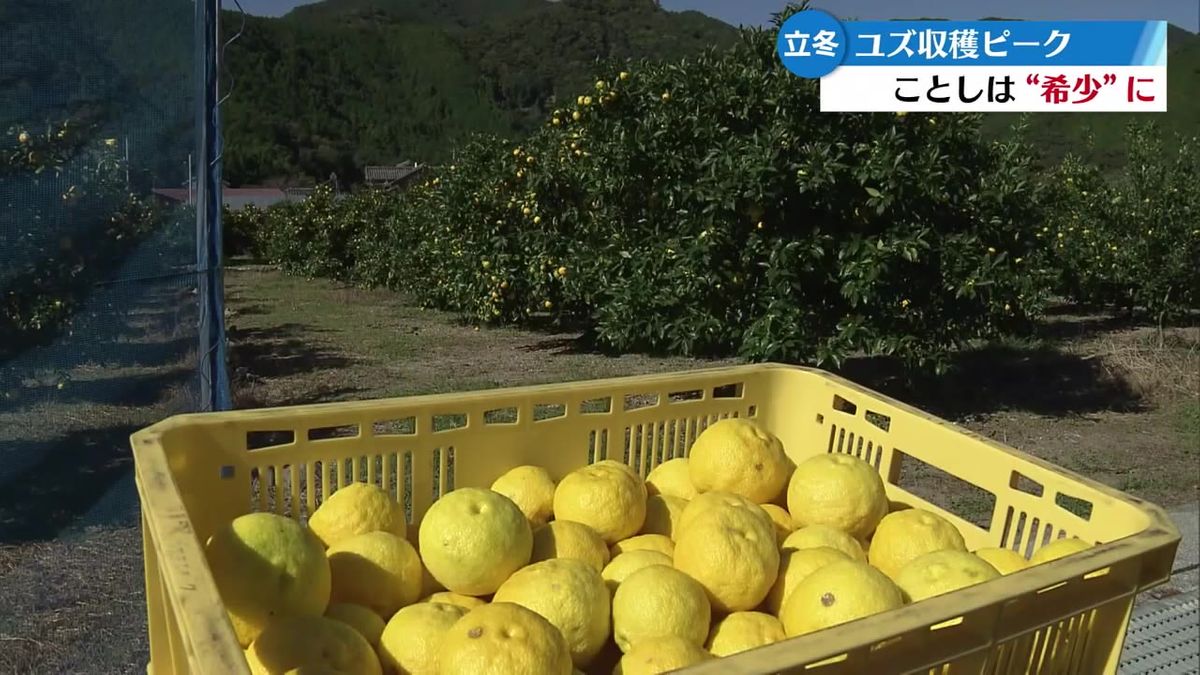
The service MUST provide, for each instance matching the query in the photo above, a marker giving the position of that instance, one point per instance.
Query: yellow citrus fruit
(293, 642)
(794, 566)
(660, 655)
(662, 514)
(835, 594)
(672, 478)
(356, 509)
(1006, 561)
(733, 554)
(742, 631)
(626, 564)
(645, 542)
(568, 539)
(570, 595)
(473, 539)
(266, 565)
(532, 489)
(429, 585)
(711, 502)
(409, 644)
(504, 639)
(657, 601)
(1058, 549)
(837, 490)
(456, 599)
(362, 619)
(904, 536)
(737, 455)
(782, 520)
(815, 536)
(377, 570)
(942, 572)
(607, 497)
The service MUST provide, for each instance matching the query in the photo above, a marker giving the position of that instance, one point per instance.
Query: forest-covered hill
(343, 83)
(338, 84)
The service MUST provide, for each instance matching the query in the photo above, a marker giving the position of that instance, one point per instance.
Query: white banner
(995, 89)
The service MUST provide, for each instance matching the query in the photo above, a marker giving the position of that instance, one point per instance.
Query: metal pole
(214, 384)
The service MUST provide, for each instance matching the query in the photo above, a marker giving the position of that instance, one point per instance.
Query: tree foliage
(341, 84)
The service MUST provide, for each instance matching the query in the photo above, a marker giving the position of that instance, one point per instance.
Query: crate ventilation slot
(548, 411)
(261, 440)
(640, 401)
(404, 426)
(596, 406)
(507, 415)
(334, 432)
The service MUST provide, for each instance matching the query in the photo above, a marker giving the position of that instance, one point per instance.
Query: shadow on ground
(76, 471)
(280, 351)
(1040, 380)
(67, 409)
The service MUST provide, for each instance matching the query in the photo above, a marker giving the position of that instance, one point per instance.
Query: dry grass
(74, 605)
(1161, 367)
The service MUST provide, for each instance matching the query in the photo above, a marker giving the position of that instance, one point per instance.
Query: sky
(1185, 13)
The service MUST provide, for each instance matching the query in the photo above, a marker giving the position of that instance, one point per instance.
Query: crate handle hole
(842, 405)
(227, 472)
(1022, 483)
(333, 432)
(943, 489)
(880, 420)
(1074, 505)
(731, 390)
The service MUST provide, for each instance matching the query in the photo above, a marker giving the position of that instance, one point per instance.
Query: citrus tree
(1131, 241)
(66, 218)
(709, 207)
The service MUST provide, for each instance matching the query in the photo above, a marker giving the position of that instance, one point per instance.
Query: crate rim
(170, 524)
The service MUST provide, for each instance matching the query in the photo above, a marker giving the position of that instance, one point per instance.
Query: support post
(214, 381)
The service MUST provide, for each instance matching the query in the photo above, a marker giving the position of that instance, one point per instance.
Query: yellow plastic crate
(196, 472)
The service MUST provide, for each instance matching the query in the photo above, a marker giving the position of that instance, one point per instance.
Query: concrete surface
(1164, 633)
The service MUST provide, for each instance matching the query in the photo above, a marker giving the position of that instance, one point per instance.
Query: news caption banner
(979, 66)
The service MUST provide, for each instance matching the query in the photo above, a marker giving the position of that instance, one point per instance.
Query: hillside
(339, 84)
(1059, 134)
(343, 83)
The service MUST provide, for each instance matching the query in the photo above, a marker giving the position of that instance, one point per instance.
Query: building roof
(390, 174)
(235, 198)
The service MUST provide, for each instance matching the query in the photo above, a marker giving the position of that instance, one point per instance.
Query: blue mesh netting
(99, 326)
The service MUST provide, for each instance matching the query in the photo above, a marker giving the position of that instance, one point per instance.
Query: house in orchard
(396, 176)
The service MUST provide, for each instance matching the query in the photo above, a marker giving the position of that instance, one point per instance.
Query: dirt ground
(1093, 393)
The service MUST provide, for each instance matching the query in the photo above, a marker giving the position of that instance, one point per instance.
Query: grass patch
(1187, 423)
